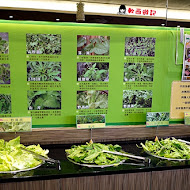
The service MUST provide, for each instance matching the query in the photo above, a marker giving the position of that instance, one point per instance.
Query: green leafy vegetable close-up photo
(92, 99)
(5, 103)
(95, 45)
(158, 116)
(138, 72)
(187, 120)
(15, 126)
(4, 73)
(93, 71)
(82, 119)
(43, 71)
(43, 100)
(43, 44)
(4, 43)
(140, 46)
(137, 98)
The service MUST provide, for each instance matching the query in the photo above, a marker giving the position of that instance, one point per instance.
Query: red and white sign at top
(139, 11)
(136, 11)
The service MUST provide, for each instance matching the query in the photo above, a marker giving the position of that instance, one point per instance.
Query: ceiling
(172, 4)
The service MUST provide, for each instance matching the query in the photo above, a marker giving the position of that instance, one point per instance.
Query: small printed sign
(15, 124)
(180, 99)
(90, 121)
(186, 59)
(154, 119)
(187, 118)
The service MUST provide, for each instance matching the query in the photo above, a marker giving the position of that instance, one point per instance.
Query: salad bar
(34, 162)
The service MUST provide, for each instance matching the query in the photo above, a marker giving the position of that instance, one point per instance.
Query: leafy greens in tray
(167, 148)
(13, 158)
(91, 153)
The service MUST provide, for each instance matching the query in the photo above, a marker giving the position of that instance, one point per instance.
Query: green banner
(56, 71)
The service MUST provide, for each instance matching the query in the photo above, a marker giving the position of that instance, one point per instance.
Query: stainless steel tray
(94, 165)
(164, 158)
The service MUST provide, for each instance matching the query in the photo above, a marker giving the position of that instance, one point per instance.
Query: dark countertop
(68, 169)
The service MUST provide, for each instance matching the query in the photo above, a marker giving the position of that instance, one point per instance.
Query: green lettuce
(91, 153)
(168, 148)
(13, 158)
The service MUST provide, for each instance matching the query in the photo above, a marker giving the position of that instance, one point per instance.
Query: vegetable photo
(157, 116)
(15, 126)
(187, 118)
(93, 45)
(44, 100)
(5, 103)
(137, 98)
(5, 74)
(4, 43)
(93, 99)
(138, 72)
(140, 46)
(43, 44)
(82, 119)
(89, 71)
(43, 71)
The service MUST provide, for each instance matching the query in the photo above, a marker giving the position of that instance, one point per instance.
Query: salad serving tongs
(187, 142)
(43, 158)
(133, 157)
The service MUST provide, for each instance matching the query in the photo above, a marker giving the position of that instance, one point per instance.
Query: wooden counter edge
(69, 135)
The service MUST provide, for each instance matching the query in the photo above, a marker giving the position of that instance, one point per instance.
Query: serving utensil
(105, 166)
(187, 142)
(130, 156)
(43, 158)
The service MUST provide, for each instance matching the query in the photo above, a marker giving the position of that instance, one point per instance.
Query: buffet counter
(159, 174)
